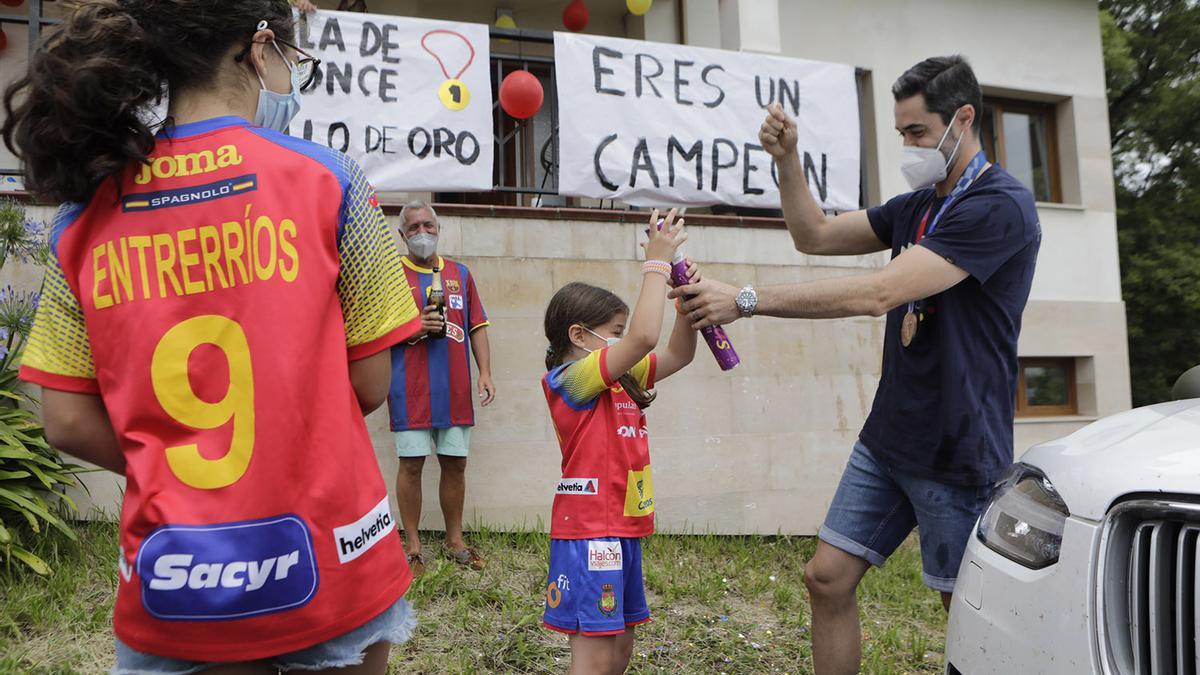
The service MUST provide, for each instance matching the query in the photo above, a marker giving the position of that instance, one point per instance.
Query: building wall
(760, 449)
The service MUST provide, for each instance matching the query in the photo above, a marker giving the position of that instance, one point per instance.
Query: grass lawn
(720, 604)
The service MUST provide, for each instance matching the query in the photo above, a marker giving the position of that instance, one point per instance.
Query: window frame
(1023, 409)
(998, 151)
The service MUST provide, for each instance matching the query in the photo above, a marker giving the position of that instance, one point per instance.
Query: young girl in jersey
(601, 372)
(223, 356)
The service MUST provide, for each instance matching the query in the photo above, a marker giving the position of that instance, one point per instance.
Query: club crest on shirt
(452, 286)
(607, 604)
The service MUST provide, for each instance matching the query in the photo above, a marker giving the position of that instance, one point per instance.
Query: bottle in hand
(437, 298)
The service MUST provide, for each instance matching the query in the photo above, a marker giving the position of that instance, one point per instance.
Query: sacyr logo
(227, 571)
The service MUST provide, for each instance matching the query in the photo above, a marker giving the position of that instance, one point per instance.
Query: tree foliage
(1152, 59)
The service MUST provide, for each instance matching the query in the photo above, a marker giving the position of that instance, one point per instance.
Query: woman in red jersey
(214, 324)
(599, 381)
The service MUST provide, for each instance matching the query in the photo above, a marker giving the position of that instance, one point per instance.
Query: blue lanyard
(964, 182)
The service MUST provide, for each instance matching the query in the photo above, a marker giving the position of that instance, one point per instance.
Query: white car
(1085, 559)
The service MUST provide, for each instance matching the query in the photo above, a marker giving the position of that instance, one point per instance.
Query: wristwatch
(747, 301)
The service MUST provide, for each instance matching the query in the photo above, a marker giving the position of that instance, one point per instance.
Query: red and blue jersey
(431, 379)
(606, 489)
(213, 298)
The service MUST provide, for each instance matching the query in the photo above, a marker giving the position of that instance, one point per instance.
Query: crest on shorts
(608, 601)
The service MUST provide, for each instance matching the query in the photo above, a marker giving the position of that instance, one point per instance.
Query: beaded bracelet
(657, 267)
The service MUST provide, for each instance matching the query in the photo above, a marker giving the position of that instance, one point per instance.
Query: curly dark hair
(79, 114)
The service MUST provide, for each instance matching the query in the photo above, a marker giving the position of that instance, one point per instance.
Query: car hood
(1147, 450)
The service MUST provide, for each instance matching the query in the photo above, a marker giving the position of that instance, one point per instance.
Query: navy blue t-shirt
(944, 407)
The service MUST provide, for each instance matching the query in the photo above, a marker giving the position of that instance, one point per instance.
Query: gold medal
(908, 328)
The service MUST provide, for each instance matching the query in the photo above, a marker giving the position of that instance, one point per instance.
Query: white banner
(409, 99)
(653, 123)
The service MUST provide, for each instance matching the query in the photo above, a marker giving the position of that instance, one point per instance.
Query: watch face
(745, 300)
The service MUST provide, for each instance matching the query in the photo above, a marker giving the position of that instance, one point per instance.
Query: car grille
(1148, 583)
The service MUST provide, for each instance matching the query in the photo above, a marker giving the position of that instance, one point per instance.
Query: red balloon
(521, 94)
(575, 16)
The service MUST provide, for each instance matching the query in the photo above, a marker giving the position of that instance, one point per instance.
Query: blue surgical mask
(275, 110)
(611, 341)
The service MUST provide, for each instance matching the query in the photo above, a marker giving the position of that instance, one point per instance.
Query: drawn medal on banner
(453, 93)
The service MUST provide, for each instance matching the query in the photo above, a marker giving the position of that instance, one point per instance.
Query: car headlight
(1024, 518)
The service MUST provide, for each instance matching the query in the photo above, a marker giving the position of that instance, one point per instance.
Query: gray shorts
(394, 625)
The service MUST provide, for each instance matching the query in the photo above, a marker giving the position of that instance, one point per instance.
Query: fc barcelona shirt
(213, 298)
(431, 378)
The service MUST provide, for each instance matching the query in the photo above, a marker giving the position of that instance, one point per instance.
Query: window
(1046, 387)
(1020, 136)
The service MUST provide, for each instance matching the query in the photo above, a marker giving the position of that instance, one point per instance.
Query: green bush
(33, 477)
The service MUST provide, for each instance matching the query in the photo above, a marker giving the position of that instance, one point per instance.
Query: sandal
(468, 557)
(416, 563)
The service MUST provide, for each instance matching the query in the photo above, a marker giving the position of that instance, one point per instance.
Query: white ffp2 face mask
(923, 167)
(422, 245)
(609, 341)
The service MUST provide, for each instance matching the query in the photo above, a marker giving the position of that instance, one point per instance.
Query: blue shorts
(394, 625)
(595, 586)
(875, 508)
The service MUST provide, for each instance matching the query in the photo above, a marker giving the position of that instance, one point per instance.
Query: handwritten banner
(409, 99)
(653, 123)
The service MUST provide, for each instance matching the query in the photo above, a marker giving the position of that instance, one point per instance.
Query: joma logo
(190, 164)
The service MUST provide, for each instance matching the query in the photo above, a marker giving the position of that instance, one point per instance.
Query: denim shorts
(394, 625)
(875, 509)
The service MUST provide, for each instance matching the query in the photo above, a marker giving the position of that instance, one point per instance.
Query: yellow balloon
(505, 21)
(638, 7)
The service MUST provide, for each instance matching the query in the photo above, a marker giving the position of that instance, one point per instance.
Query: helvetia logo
(358, 537)
(577, 486)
